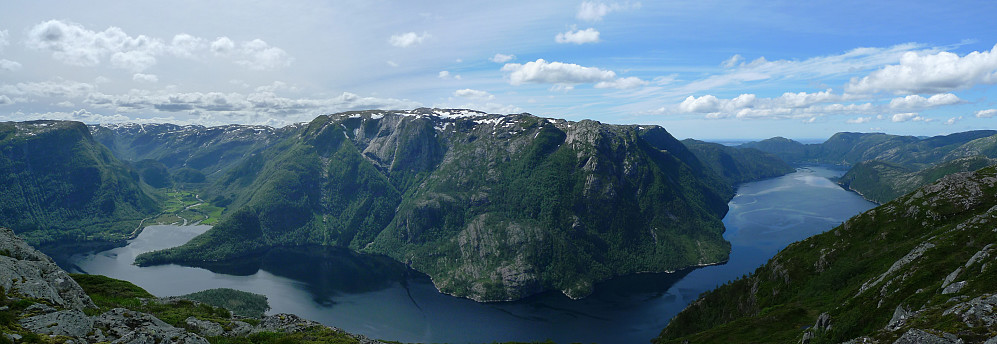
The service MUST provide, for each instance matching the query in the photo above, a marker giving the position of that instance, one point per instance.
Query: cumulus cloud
(222, 46)
(51, 89)
(986, 113)
(543, 72)
(259, 55)
(859, 120)
(447, 75)
(907, 116)
(4, 100)
(470, 93)
(595, 11)
(622, 83)
(738, 70)
(76, 45)
(145, 77)
(930, 73)
(705, 104)
(9, 65)
(952, 120)
(4, 39)
(789, 105)
(918, 102)
(502, 58)
(589, 35)
(404, 40)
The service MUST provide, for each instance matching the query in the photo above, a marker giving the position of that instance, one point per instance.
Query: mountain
(915, 270)
(737, 165)
(62, 187)
(208, 150)
(492, 207)
(907, 151)
(881, 182)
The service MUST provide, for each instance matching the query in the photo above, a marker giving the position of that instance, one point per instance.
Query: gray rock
(976, 312)
(951, 277)
(991, 340)
(120, 325)
(239, 328)
(954, 288)
(284, 322)
(72, 323)
(33, 274)
(900, 316)
(911, 256)
(204, 327)
(916, 336)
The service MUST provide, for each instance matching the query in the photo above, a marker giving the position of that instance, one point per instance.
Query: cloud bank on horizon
(714, 71)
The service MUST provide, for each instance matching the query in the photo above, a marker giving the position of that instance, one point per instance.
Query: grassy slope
(738, 165)
(882, 182)
(62, 186)
(825, 273)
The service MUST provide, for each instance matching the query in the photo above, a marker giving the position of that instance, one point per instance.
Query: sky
(714, 70)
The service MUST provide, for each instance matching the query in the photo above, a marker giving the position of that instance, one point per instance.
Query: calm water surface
(380, 298)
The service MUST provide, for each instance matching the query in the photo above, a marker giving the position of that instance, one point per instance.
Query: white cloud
(705, 104)
(738, 71)
(594, 11)
(804, 99)
(986, 113)
(9, 65)
(4, 100)
(859, 120)
(78, 115)
(732, 61)
(446, 75)
(469, 93)
(622, 83)
(4, 40)
(222, 46)
(76, 45)
(918, 102)
(930, 73)
(58, 88)
(258, 55)
(185, 45)
(907, 116)
(145, 77)
(952, 120)
(502, 58)
(392, 63)
(589, 35)
(404, 40)
(543, 72)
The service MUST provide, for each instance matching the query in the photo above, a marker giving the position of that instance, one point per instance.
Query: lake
(383, 299)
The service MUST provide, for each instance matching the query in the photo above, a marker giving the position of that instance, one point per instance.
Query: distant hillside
(907, 151)
(918, 269)
(738, 165)
(61, 186)
(492, 207)
(882, 182)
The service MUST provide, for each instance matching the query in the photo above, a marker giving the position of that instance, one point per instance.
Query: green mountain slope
(61, 187)
(918, 267)
(907, 151)
(492, 207)
(882, 182)
(738, 165)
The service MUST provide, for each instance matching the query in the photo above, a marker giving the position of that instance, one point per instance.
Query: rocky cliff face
(492, 207)
(918, 269)
(39, 298)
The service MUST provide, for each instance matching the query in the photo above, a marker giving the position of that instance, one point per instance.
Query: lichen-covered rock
(204, 327)
(32, 274)
(916, 336)
(72, 323)
(284, 322)
(979, 311)
(121, 325)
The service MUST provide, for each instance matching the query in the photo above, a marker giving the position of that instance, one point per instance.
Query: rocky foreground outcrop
(46, 304)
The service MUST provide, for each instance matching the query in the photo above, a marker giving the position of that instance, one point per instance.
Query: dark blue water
(380, 298)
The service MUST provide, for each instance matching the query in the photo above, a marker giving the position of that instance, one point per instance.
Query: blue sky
(701, 69)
